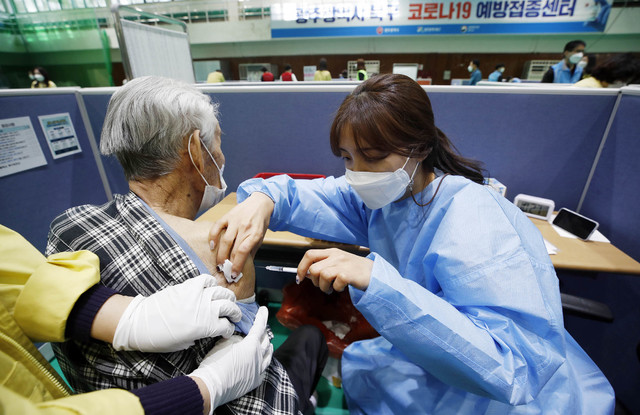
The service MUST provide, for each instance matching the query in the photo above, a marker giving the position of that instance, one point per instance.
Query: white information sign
(309, 72)
(60, 134)
(19, 147)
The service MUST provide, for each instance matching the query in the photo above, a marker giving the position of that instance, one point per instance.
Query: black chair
(583, 307)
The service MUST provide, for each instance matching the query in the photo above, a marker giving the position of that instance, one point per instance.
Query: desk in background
(573, 254)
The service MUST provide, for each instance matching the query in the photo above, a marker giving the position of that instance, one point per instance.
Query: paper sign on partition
(19, 147)
(60, 134)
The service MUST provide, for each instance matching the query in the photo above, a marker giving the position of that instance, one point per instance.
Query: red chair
(306, 304)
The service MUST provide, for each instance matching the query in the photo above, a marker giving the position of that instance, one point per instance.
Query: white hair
(146, 122)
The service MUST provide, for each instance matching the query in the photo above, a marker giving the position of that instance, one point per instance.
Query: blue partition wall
(261, 132)
(613, 199)
(277, 132)
(535, 142)
(96, 104)
(540, 144)
(33, 198)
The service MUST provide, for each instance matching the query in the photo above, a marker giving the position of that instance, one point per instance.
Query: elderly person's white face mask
(212, 195)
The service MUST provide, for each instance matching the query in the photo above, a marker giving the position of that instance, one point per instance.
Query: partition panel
(284, 132)
(540, 142)
(96, 101)
(612, 199)
(31, 199)
(614, 194)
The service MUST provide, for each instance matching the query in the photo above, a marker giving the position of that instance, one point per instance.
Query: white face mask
(378, 189)
(39, 77)
(582, 64)
(212, 194)
(501, 70)
(470, 68)
(575, 58)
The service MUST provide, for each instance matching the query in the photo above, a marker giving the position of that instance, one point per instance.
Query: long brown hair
(392, 113)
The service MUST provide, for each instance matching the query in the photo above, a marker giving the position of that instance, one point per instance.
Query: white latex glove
(173, 318)
(236, 366)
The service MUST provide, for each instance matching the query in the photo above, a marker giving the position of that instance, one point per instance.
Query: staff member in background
(322, 74)
(362, 71)
(41, 79)
(50, 299)
(496, 76)
(267, 76)
(474, 70)
(288, 74)
(567, 71)
(458, 282)
(215, 77)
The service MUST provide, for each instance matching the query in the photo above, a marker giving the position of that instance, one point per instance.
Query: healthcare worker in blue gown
(458, 282)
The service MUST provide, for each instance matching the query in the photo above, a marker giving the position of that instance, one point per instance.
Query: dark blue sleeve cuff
(85, 310)
(179, 396)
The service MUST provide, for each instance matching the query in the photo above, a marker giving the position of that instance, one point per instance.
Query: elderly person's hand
(245, 225)
(173, 318)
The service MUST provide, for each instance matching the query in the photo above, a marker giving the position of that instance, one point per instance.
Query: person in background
(496, 76)
(267, 76)
(458, 281)
(615, 72)
(288, 74)
(474, 70)
(167, 138)
(344, 74)
(587, 63)
(362, 71)
(322, 73)
(215, 76)
(567, 71)
(41, 79)
(51, 299)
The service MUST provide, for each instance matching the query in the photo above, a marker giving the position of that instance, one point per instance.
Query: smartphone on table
(575, 223)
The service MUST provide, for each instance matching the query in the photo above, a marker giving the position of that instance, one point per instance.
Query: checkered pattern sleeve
(138, 256)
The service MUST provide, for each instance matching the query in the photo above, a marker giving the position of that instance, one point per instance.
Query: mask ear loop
(213, 159)
(437, 188)
(412, 175)
(411, 182)
(194, 164)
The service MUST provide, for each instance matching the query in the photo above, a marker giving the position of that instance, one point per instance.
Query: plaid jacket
(137, 256)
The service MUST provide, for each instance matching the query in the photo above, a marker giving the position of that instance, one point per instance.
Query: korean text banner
(410, 17)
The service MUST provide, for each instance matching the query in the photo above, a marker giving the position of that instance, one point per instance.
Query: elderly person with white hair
(166, 136)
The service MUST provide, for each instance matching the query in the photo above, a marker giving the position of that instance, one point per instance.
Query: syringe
(276, 268)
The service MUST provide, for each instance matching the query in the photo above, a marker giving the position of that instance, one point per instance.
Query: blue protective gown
(476, 76)
(463, 294)
(563, 75)
(495, 76)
